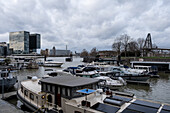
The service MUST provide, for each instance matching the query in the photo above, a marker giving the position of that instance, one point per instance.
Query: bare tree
(117, 45)
(125, 41)
(94, 52)
(133, 47)
(84, 53)
(140, 42)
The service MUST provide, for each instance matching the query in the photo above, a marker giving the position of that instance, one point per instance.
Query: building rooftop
(69, 81)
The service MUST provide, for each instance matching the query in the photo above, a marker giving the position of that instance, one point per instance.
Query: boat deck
(119, 104)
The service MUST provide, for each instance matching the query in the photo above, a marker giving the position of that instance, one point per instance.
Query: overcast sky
(86, 23)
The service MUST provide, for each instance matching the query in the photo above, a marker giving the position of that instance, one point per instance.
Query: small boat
(127, 74)
(88, 72)
(51, 63)
(110, 83)
(7, 80)
(151, 70)
(32, 65)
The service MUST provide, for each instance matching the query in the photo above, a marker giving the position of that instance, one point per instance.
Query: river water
(159, 89)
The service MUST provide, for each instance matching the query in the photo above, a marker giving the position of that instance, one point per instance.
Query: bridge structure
(150, 50)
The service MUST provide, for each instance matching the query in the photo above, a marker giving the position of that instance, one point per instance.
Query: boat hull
(135, 78)
(8, 83)
(53, 65)
(26, 103)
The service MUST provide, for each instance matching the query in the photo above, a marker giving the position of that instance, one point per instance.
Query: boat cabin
(65, 87)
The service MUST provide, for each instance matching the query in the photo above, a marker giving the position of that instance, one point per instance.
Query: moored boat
(78, 95)
(51, 63)
(7, 80)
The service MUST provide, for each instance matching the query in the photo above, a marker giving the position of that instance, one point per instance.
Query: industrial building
(57, 52)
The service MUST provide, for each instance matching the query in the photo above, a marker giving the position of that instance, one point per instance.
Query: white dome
(34, 78)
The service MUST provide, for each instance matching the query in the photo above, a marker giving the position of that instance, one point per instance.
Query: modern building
(3, 49)
(34, 42)
(19, 41)
(22, 42)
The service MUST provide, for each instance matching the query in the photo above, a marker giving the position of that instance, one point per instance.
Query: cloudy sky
(86, 23)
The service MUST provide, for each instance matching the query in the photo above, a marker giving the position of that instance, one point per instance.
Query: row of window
(31, 96)
(60, 90)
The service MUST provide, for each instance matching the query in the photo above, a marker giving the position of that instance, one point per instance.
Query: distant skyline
(84, 24)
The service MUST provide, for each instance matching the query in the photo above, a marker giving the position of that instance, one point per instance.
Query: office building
(3, 49)
(19, 42)
(22, 42)
(34, 42)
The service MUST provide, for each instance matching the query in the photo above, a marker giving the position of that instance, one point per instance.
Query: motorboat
(127, 75)
(110, 83)
(88, 72)
(52, 63)
(70, 94)
(151, 70)
(32, 65)
(7, 80)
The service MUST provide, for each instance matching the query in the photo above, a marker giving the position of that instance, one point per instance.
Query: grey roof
(69, 81)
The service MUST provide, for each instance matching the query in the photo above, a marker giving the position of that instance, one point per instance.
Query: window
(48, 88)
(44, 87)
(58, 90)
(63, 91)
(26, 93)
(53, 89)
(31, 96)
(68, 92)
(21, 89)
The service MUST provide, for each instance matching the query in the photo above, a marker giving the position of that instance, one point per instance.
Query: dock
(138, 82)
(5, 107)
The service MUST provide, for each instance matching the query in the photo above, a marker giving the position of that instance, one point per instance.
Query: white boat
(71, 94)
(51, 63)
(110, 83)
(88, 72)
(151, 70)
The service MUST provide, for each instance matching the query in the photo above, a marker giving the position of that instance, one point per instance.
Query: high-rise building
(24, 42)
(19, 42)
(34, 42)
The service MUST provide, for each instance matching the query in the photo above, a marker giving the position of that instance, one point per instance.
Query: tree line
(123, 45)
(92, 53)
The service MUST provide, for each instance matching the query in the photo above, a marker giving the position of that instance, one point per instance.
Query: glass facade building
(19, 42)
(22, 42)
(34, 42)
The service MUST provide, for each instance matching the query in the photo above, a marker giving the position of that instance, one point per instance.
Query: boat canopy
(86, 91)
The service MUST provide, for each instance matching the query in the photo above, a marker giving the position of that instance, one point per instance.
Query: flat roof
(69, 81)
(149, 62)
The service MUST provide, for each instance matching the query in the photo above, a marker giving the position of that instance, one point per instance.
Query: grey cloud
(86, 23)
